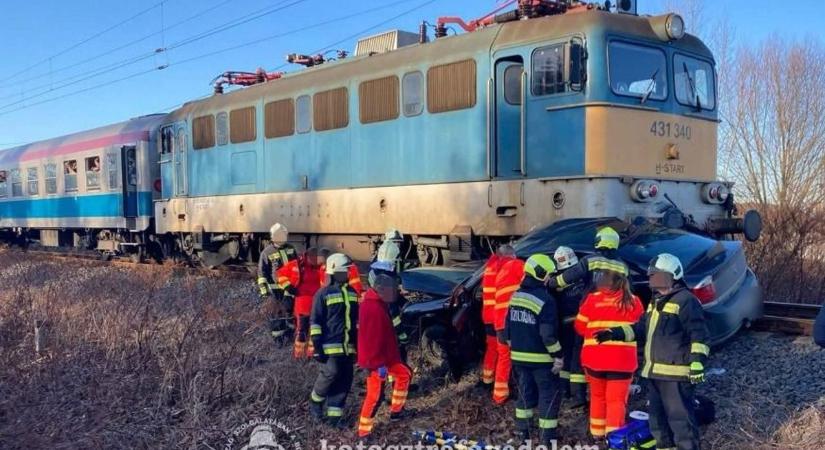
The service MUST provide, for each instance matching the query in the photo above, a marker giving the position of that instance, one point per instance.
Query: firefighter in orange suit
(609, 365)
(309, 283)
(355, 280)
(488, 307)
(508, 281)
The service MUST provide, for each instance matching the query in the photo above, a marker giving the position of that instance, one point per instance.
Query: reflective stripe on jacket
(488, 290)
(600, 311)
(508, 280)
(531, 325)
(334, 320)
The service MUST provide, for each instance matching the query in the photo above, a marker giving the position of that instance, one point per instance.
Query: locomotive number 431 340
(676, 130)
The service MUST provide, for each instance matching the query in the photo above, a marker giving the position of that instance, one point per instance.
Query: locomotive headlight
(715, 193)
(668, 27)
(644, 191)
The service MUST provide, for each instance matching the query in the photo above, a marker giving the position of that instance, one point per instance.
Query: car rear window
(686, 246)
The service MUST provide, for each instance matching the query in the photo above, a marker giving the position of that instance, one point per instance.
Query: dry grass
(142, 358)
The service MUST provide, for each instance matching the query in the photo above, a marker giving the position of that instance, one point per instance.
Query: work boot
(316, 410)
(522, 436)
(401, 415)
(482, 386)
(366, 440)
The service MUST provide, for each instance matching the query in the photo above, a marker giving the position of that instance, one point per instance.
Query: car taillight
(705, 291)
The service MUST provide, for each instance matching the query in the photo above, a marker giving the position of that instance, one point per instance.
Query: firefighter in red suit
(308, 285)
(488, 307)
(508, 281)
(378, 353)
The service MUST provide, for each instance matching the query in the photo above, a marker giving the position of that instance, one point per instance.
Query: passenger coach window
(51, 178)
(111, 170)
(451, 86)
(203, 132)
(93, 173)
(378, 100)
(694, 80)
(303, 114)
(16, 183)
(242, 125)
(3, 191)
(637, 71)
(222, 128)
(31, 180)
(279, 118)
(330, 109)
(70, 175)
(413, 92)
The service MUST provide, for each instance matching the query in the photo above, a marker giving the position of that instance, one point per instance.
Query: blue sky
(43, 39)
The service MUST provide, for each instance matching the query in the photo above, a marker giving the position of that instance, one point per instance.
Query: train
(551, 111)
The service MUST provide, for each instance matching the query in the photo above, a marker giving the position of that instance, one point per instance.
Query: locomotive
(553, 110)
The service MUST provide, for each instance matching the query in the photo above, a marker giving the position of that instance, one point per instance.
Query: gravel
(144, 358)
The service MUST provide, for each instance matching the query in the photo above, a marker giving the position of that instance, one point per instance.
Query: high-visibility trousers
(401, 375)
(332, 385)
(572, 376)
(302, 348)
(501, 386)
(488, 366)
(538, 388)
(608, 404)
(672, 418)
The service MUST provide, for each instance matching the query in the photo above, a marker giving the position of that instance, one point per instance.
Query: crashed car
(444, 303)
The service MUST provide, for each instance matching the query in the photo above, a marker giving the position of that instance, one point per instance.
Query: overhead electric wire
(383, 22)
(134, 60)
(88, 39)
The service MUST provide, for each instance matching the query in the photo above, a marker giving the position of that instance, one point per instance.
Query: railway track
(789, 318)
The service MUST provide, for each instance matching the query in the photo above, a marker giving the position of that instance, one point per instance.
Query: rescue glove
(558, 363)
(382, 372)
(603, 335)
(697, 372)
(501, 337)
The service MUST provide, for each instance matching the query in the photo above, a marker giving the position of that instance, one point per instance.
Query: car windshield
(637, 71)
(693, 79)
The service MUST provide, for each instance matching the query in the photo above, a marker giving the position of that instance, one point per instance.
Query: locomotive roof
(123, 132)
(441, 50)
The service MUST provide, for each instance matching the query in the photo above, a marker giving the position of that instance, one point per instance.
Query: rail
(788, 318)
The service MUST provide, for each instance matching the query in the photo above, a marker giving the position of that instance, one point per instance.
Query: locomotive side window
(3, 191)
(70, 175)
(637, 71)
(279, 118)
(512, 84)
(693, 79)
(16, 183)
(548, 70)
(111, 170)
(451, 86)
(31, 180)
(330, 109)
(203, 132)
(93, 173)
(51, 178)
(222, 128)
(303, 114)
(378, 100)
(413, 92)
(242, 125)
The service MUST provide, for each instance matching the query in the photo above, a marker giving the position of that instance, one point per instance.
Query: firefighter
(310, 282)
(675, 350)
(386, 264)
(573, 382)
(532, 330)
(378, 352)
(277, 270)
(606, 244)
(508, 280)
(333, 330)
(488, 307)
(393, 238)
(609, 368)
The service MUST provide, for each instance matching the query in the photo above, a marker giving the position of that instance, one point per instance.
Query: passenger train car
(90, 189)
(460, 143)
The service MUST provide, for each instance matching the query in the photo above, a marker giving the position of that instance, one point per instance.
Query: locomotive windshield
(638, 71)
(694, 82)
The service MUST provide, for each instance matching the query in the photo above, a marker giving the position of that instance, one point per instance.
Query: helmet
(607, 238)
(539, 266)
(278, 234)
(565, 257)
(393, 235)
(338, 263)
(388, 252)
(667, 263)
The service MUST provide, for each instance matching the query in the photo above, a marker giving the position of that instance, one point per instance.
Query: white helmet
(278, 234)
(667, 263)
(565, 258)
(338, 263)
(393, 235)
(388, 252)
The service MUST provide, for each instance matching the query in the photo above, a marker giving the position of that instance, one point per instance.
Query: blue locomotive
(554, 110)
